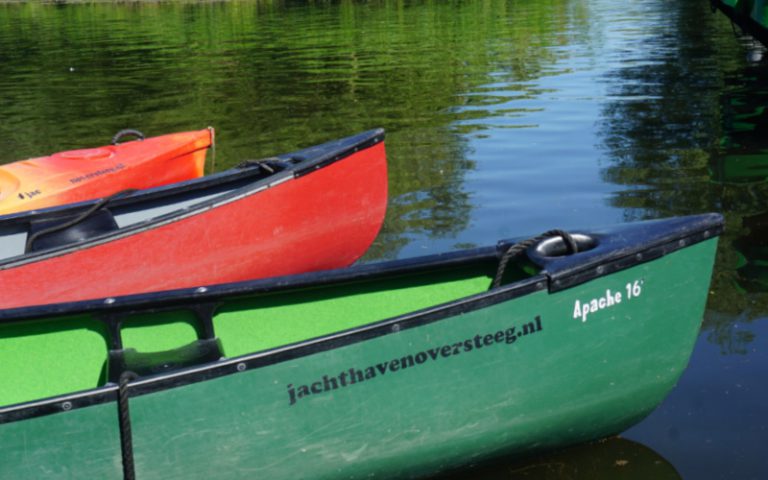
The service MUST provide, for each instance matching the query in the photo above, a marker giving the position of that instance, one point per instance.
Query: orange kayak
(76, 175)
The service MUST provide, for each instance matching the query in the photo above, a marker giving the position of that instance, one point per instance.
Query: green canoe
(395, 370)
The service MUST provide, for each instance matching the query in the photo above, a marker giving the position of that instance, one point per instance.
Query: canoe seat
(46, 235)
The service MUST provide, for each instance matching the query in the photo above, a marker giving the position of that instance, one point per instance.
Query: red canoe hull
(324, 219)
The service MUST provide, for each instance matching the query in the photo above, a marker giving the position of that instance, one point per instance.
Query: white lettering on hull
(582, 309)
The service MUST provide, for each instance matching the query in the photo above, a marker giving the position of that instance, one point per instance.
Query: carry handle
(128, 132)
(207, 348)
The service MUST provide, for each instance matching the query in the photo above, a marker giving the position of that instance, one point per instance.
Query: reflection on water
(741, 167)
(504, 118)
(753, 246)
(713, 424)
(274, 76)
(610, 459)
(744, 150)
(695, 142)
(660, 129)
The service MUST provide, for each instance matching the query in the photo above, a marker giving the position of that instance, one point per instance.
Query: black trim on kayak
(243, 182)
(615, 249)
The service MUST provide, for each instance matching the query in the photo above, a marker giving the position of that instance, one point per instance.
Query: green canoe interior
(51, 357)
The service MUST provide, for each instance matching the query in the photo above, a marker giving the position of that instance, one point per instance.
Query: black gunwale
(312, 159)
(706, 227)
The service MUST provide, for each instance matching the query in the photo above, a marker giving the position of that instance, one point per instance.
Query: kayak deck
(77, 175)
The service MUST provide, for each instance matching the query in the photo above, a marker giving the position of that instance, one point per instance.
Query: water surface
(504, 118)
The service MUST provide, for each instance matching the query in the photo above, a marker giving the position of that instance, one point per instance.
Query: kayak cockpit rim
(244, 182)
(175, 300)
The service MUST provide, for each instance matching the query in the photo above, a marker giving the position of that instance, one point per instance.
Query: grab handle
(128, 132)
(207, 348)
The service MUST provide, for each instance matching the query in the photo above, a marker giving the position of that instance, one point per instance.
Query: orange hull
(77, 175)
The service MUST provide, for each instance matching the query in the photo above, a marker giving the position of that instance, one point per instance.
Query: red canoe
(314, 209)
(78, 175)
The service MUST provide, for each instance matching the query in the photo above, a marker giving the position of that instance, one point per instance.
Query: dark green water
(504, 118)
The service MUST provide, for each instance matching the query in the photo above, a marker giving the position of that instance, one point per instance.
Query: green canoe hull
(511, 371)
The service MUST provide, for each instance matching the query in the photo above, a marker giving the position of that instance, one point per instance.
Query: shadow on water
(610, 459)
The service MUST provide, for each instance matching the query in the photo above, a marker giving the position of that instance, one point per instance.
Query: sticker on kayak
(611, 298)
(30, 194)
(97, 173)
(355, 375)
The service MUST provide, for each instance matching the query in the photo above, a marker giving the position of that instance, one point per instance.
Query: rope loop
(518, 248)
